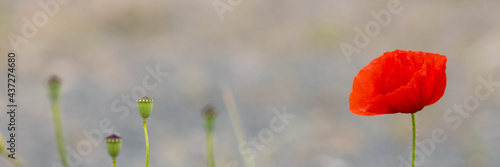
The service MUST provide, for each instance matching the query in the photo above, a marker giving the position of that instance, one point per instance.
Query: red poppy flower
(398, 82)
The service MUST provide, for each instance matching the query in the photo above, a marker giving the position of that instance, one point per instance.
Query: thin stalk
(16, 161)
(232, 110)
(210, 149)
(56, 113)
(414, 139)
(114, 162)
(147, 141)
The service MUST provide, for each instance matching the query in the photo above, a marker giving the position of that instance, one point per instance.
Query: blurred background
(273, 55)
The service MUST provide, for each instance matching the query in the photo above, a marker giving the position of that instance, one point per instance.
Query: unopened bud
(54, 87)
(145, 105)
(114, 144)
(210, 117)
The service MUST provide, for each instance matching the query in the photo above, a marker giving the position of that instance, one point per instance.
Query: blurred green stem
(16, 161)
(56, 112)
(210, 148)
(147, 141)
(414, 139)
(114, 161)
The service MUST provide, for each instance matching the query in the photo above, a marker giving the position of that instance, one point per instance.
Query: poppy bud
(210, 116)
(54, 87)
(145, 105)
(114, 144)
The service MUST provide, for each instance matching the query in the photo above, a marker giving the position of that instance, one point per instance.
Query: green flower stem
(114, 161)
(54, 86)
(210, 117)
(210, 149)
(56, 113)
(16, 162)
(147, 141)
(414, 139)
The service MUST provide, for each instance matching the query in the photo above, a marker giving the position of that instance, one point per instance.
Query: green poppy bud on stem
(210, 117)
(54, 87)
(114, 145)
(145, 105)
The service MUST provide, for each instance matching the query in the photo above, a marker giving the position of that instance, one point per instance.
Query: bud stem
(16, 162)
(56, 113)
(114, 161)
(210, 118)
(147, 141)
(210, 148)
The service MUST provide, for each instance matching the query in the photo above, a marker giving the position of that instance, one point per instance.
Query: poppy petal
(398, 82)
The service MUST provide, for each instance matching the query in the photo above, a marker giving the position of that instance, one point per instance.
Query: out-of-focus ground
(282, 55)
